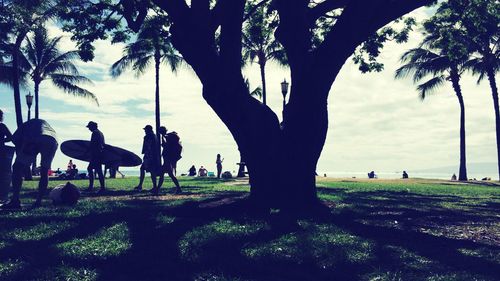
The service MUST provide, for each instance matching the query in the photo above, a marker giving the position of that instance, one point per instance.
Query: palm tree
(260, 45)
(44, 61)
(422, 62)
(153, 45)
(18, 19)
(479, 21)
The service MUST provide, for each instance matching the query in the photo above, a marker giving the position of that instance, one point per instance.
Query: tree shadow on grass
(216, 238)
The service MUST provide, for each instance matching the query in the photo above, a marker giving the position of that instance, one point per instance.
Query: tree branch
(130, 8)
(358, 21)
(324, 7)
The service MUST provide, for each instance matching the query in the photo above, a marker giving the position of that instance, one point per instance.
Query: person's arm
(8, 135)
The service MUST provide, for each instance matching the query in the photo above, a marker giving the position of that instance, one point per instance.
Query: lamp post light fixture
(284, 91)
(29, 102)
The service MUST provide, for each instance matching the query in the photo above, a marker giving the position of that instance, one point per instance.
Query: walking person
(33, 137)
(219, 161)
(171, 153)
(96, 149)
(151, 160)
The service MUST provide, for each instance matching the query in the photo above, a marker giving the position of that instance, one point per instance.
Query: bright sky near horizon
(376, 122)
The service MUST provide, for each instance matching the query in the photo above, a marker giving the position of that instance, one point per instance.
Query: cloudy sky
(376, 122)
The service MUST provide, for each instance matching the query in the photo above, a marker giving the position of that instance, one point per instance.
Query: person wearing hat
(96, 149)
(33, 137)
(151, 159)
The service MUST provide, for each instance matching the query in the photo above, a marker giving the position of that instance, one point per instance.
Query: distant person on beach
(202, 172)
(405, 175)
(96, 149)
(73, 173)
(454, 177)
(70, 165)
(151, 160)
(33, 137)
(372, 175)
(218, 162)
(172, 150)
(5, 135)
(192, 171)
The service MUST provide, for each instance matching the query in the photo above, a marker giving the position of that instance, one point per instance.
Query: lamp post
(29, 102)
(284, 91)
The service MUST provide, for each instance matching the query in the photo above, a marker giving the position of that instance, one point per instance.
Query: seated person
(72, 173)
(371, 175)
(405, 175)
(202, 172)
(192, 171)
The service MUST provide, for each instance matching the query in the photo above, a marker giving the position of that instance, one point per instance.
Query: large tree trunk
(462, 174)
(281, 159)
(494, 93)
(15, 78)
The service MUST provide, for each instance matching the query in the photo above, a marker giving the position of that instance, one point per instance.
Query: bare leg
(101, 177)
(42, 186)
(176, 182)
(90, 170)
(17, 181)
(141, 179)
(153, 179)
(162, 178)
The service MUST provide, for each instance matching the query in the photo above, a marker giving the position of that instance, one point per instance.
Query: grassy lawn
(376, 230)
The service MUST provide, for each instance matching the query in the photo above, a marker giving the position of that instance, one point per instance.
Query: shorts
(44, 145)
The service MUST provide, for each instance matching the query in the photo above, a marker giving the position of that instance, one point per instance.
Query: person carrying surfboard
(33, 137)
(96, 149)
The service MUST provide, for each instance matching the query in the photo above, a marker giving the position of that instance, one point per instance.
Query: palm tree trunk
(37, 90)
(157, 100)
(262, 64)
(494, 93)
(462, 174)
(15, 78)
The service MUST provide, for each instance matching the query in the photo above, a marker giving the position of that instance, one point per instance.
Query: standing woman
(5, 135)
(172, 150)
(219, 161)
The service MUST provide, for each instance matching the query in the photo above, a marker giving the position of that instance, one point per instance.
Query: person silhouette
(171, 153)
(96, 149)
(218, 162)
(70, 165)
(192, 171)
(33, 137)
(5, 135)
(405, 175)
(151, 160)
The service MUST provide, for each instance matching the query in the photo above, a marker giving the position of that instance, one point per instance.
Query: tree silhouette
(209, 35)
(423, 62)
(153, 45)
(44, 61)
(476, 24)
(19, 17)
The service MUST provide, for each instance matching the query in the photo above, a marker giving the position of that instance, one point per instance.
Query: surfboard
(112, 155)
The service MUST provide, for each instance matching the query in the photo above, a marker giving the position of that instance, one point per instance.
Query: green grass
(376, 230)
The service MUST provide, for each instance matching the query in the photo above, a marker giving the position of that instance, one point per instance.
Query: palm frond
(428, 87)
(74, 90)
(73, 79)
